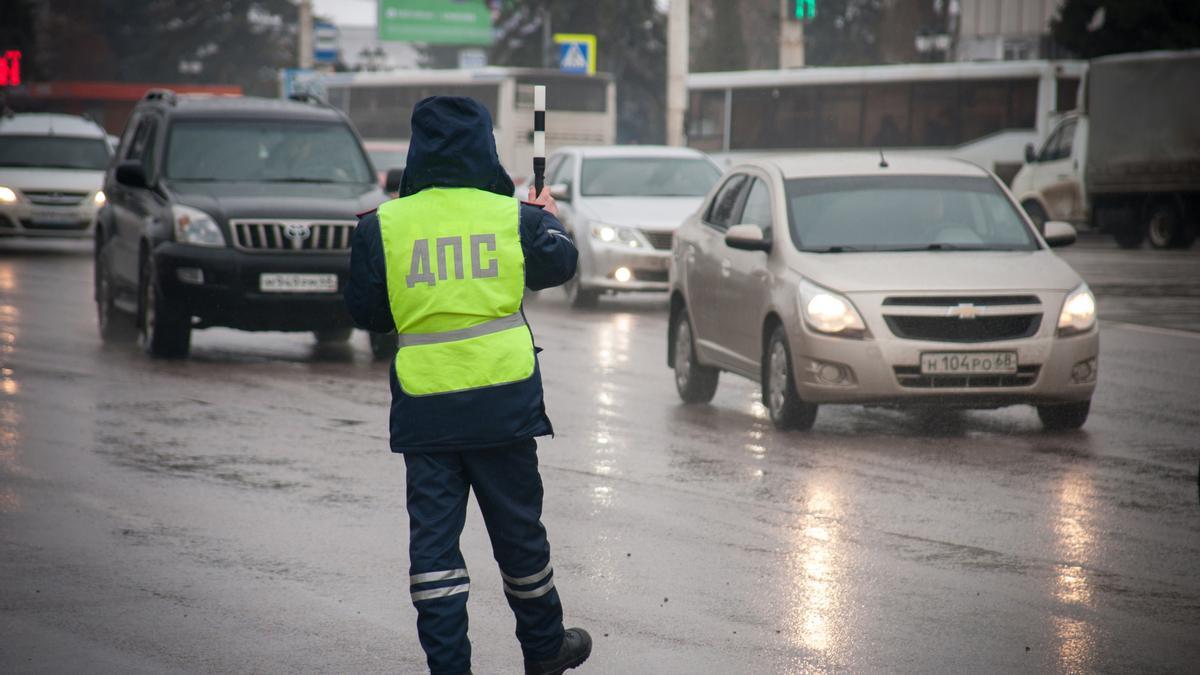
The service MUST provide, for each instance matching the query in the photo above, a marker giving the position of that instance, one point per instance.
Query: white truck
(1127, 161)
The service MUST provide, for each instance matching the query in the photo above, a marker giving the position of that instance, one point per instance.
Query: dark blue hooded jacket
(452, 146)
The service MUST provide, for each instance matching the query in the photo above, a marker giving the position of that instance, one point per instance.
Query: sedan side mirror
(1058, 233)
(131, 173)
(561, 191)
(747, 238)
(391, 184)
(1030, 153)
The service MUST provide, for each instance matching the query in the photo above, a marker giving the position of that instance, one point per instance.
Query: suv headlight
(828, 312)
(193, 226)
(1078, 312)
(614, 234)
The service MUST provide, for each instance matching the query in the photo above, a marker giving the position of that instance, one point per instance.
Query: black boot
(576, 648)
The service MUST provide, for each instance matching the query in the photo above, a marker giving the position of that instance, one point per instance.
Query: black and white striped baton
(539, 139)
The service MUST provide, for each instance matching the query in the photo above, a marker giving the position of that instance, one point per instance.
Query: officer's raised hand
(545, 200)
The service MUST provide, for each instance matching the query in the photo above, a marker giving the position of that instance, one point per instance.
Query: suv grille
(291, 235)
(954, 329)
(911, 377)
(659, 240)
(55, 198)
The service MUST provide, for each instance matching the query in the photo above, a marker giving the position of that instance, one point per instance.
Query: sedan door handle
(726, 266)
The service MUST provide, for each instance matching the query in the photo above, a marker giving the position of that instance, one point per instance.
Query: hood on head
(452, 146)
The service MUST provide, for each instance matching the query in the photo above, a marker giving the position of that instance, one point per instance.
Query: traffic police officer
(445, 266)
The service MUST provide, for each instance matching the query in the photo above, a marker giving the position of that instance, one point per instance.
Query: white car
(622, 205)
(51, 170)
(906, 282)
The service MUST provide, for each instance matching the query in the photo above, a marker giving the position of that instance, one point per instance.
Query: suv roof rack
(166, 95)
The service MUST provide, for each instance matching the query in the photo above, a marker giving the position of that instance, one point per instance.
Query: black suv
(229, 211)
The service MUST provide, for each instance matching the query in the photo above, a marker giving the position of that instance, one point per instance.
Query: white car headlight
(828, 312)
(7, 195)
(1078, 312)
(193, 226)
(98, 199)
(615, 234)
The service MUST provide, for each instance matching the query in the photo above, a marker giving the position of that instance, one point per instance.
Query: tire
(787, 409)
(1064, 416)
(115, 325)
(1036, 214)
(1165, 228)
(384, 345)
(579, 297)
(332, 335)
(164, 331)
(694, 382)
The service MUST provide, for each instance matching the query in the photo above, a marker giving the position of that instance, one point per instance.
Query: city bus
(580, 109)
(981, 112)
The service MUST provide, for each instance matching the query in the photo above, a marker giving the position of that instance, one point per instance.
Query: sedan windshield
(904, 213)
(54, 152)
(647, 177)
(264, 151)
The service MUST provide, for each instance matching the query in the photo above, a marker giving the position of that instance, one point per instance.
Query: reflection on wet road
(239, 511)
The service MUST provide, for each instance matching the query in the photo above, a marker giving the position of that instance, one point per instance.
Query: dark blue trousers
(509, 491)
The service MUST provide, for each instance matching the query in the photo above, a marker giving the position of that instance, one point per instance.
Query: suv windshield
(54, 152)
(647, 177)
(264, 151)
(904, 213)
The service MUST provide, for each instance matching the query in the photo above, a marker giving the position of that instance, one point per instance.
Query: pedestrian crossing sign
(576, 52)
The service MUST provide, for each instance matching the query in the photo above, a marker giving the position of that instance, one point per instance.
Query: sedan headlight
(98, 199)
(828, 312)
(7, 195)
(615, 234)
(193, 226)
(1078, 312)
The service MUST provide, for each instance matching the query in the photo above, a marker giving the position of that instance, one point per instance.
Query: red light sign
(10, 68)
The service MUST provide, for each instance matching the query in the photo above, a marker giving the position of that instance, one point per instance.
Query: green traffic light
(806, 9)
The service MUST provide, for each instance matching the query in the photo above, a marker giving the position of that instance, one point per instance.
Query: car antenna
(883, 163)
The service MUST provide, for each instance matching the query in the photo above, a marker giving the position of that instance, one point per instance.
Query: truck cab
(1051, 184)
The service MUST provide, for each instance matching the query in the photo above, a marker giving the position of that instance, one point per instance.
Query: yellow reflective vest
(455, 280)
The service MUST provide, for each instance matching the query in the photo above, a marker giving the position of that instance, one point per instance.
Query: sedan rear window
(54, 152)
(647, 177)
(903, 213)
(265, 151)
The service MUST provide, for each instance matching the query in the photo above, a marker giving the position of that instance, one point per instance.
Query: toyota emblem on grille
(965, 310)
(297, 232)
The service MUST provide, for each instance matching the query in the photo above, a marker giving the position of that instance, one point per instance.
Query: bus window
(783, 117)
(984, 108)
(384, 111)
(706, 120)
(885, 120)
(1022, 104)
(935, 119)
(1067, 88)
(566, 93)
(841, 117)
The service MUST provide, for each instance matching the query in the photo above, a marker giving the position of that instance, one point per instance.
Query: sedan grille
(954, 329)
(55, 198)
(659, 240)
(292, 235)
(911, 377)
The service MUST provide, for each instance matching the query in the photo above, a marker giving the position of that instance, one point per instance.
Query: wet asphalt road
(239, 512)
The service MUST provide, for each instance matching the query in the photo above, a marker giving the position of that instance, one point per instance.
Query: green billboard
(448, 22)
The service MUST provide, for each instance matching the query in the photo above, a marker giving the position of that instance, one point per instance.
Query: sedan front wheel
(787, 409)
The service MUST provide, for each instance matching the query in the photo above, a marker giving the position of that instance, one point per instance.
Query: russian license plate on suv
(968, 363)
(297, 283)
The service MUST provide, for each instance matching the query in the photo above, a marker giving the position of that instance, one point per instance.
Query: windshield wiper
(834, 249)
(304, 180)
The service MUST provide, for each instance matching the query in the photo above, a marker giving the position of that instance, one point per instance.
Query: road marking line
(1176, 332)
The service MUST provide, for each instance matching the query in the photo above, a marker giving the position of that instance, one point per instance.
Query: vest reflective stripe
(485, 328)
(455, 279)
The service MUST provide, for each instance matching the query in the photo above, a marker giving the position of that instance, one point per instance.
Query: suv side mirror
(1058, 233)
(391, 184)
(131, 173)
(561, 191)
(1030, 153)
(747, 238)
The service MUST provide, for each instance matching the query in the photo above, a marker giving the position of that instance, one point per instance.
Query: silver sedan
(852, 279)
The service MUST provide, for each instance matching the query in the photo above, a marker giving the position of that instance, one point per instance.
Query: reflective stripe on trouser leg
(437, 490)
(509, 491)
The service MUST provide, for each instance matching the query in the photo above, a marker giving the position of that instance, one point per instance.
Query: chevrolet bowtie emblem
(965, 310)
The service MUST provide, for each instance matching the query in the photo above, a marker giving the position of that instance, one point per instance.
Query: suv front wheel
(164, 331)
(115, 325)
(779, 393)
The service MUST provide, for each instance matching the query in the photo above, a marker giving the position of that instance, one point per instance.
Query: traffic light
(804, 10)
